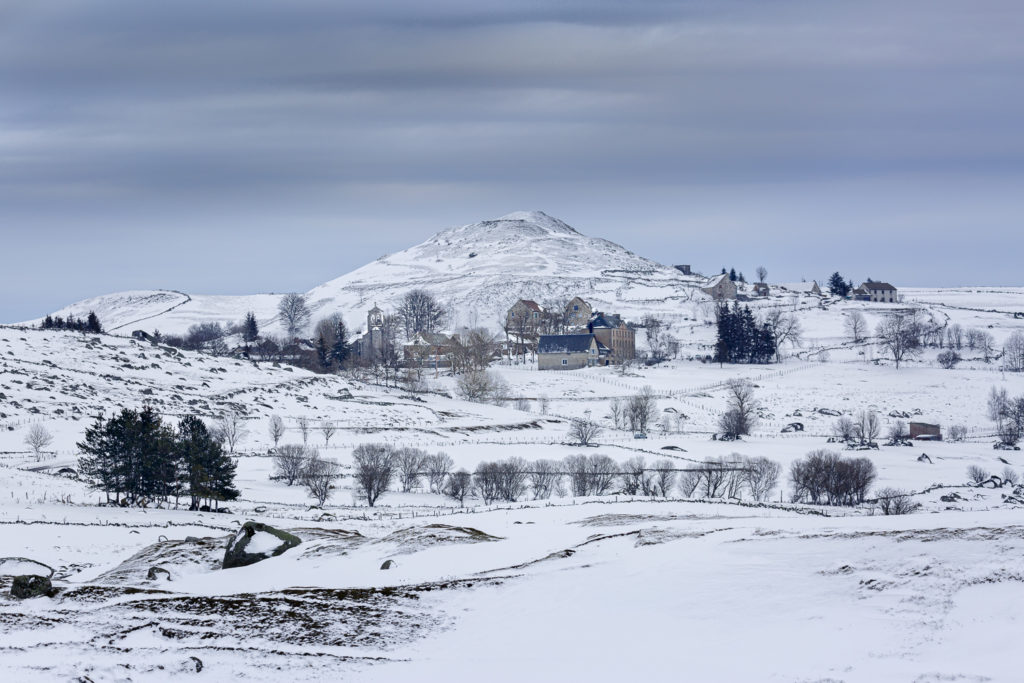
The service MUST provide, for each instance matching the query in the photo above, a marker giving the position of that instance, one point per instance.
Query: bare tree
(899, 335)
(741, 415)
(38, 438)
(276, 429)
(481, 386)
(486, 481)
(856, 326)
(868, 427)
(590, 475)
(374, 470)
(760, 477)
(512, 478)
(948, 359)
(458, 485)
(957, 432)
(303, 423)
(1013, 352)
(584, 432)
(294, 311)
(1010, 476)
(230, 430)
(955, 336)
(987, 346)
(437, 467)
(633, 476)
(641, 409)
(663, 479)
(320, 476)
(786, 328)
(290, 463)
(420, 312)
(762, 273)
(411, 463)
(825, 477)
(544, 404)
(898, 433)
(328, 429)
(892, 501)
(976, 474)
(616, 411)
(844, 428)
(543, 478)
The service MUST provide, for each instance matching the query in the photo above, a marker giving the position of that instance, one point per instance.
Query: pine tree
(323, 354)
(92, 324)
(838, 286)
(47, 323)
(203, 468)
(250, 330)
(732, 274)
(341, 349)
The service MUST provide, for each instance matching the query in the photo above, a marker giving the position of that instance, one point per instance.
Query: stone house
(524, 316)
(720, 287)
(761, 289)
(577, 313)
(881, 292)
(612, 332)
(429, 349)
(569, 351)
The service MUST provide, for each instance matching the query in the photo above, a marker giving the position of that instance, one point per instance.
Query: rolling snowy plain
(603, 588)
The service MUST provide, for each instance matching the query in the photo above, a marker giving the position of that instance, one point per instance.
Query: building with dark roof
(570, 352)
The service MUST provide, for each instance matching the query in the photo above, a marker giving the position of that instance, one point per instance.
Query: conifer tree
(250, 330)
(92, 323)
(340, 349)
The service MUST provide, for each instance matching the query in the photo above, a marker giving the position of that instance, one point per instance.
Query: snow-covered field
(600, 588)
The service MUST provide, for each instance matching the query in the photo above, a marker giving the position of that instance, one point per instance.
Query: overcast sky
(238, 147)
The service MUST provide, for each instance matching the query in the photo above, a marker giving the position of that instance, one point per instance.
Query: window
(565, 361)
(511, 314)
(576, 307)
(535, 314)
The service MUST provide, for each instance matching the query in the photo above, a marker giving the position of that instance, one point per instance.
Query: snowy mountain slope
(477, 270)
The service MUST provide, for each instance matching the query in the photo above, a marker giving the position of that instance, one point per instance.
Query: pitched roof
(532, 305)
(610, 320)
(714, 280)
(565, 343)
(884, 286)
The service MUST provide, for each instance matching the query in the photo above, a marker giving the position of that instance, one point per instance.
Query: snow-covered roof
(565, 343)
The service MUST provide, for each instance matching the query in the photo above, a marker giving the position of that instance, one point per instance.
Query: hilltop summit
(477, 270)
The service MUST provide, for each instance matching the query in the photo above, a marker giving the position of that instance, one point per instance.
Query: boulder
(155, 573)
(388, 564)
(255, 542)
(924, 458)
(31, 586)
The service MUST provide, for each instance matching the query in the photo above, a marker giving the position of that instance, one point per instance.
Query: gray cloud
(171, 142)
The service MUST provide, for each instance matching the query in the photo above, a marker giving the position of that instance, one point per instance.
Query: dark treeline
(89, 324)
(741, 338)
(139, 459)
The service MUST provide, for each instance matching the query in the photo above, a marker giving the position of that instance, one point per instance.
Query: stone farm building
(719, 287)
(925, 431)
(577, 313)
(881, 292)
(569, 351)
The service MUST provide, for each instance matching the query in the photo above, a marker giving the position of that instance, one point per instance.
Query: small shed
(925, 432)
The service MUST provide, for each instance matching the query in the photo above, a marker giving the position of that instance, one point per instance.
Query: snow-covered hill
(476, 270)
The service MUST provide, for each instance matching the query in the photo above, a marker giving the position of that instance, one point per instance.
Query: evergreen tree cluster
(838, 286)
(733, 276)
(332, 345)
(741, 338)
(89, 324)
(139, 459)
